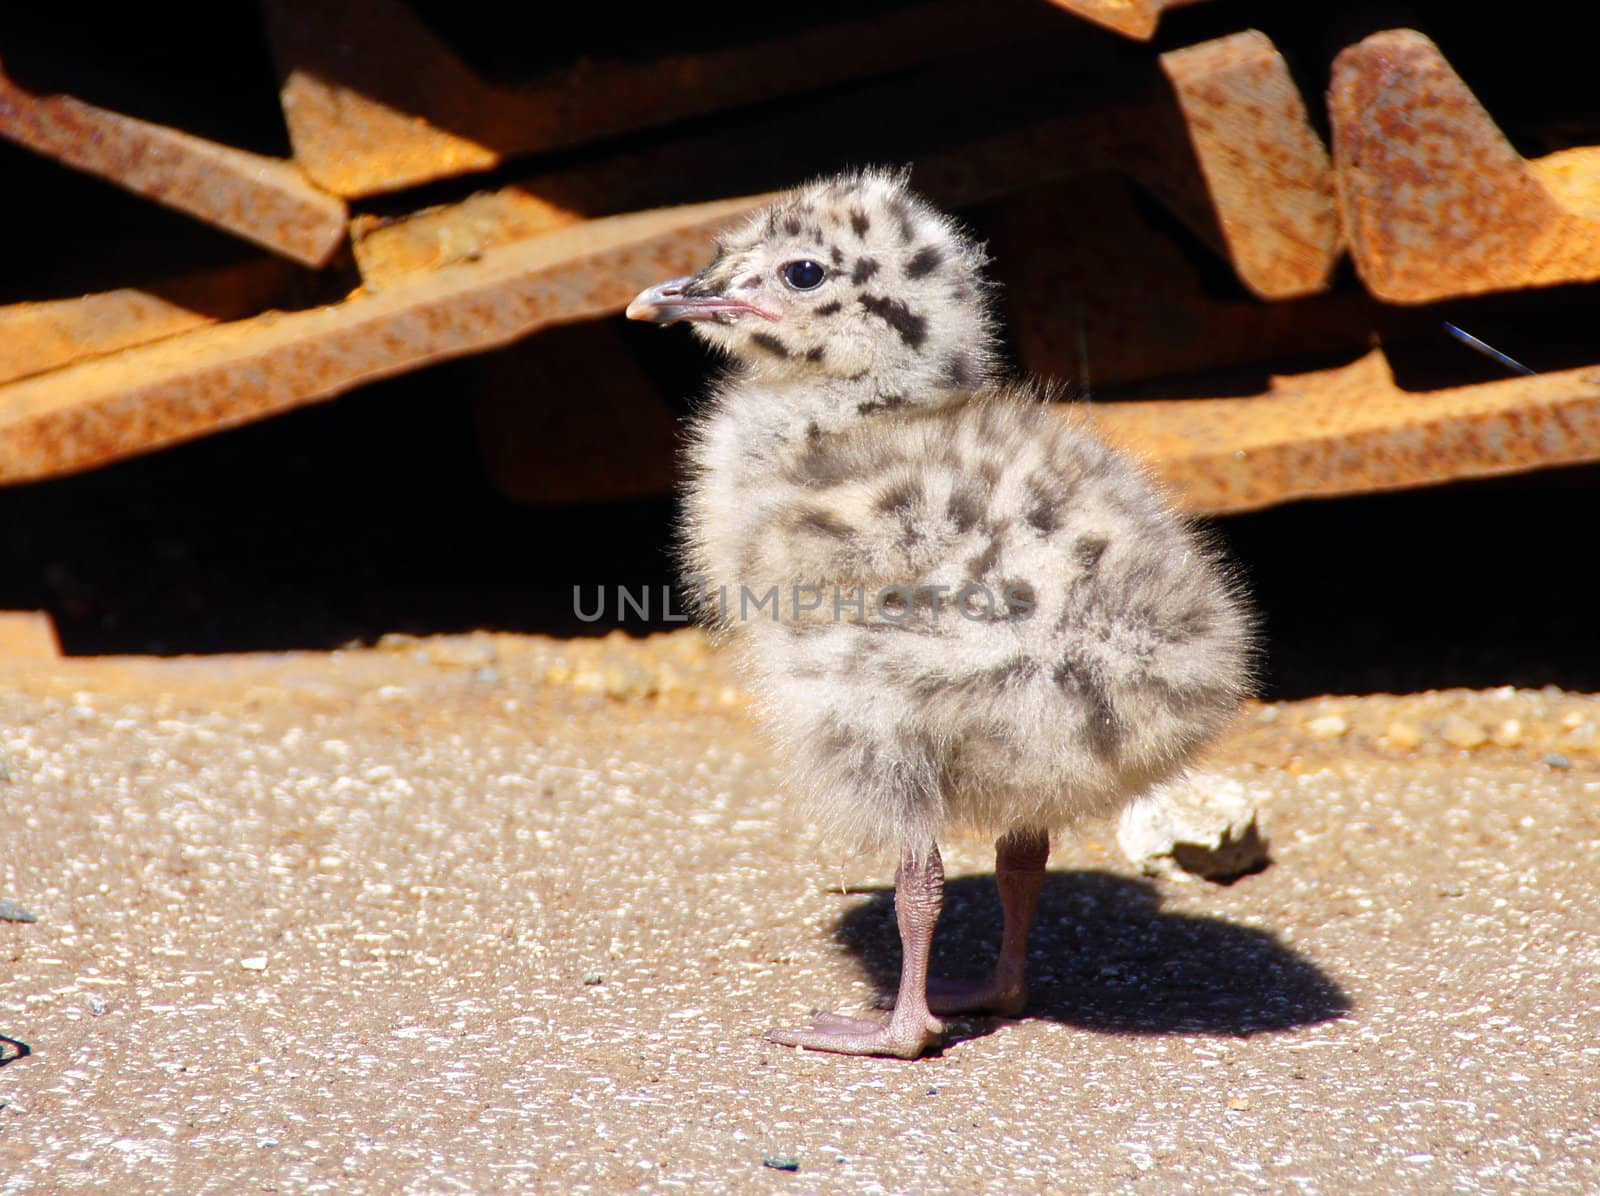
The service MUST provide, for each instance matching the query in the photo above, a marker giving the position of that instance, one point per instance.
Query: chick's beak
(670, 301)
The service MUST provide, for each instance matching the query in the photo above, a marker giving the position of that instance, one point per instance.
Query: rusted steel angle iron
(210, 379)
(1436, 203)
(1352, 430)
(1198, 148)
(213, 378)
(369, 114)
(50, 334)
(1268, 180)
(260, 199)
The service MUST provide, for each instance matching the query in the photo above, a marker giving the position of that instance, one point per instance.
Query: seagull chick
(959, 609)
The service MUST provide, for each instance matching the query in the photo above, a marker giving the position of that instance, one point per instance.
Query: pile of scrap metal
(1170, 229)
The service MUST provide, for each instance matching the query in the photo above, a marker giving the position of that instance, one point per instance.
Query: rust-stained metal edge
(213, 378)
(1436, 203)
(371, 116)
(51, 334)
(263, 200)
(1352, 430)
(1131, 18)
(1268, 176)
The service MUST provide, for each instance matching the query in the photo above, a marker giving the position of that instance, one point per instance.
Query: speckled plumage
(959, 607)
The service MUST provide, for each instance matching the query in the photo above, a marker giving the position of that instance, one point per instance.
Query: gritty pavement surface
(496, 914)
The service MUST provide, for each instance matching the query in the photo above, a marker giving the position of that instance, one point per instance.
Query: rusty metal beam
(452, 233)
(1267, 174)
(213, 378)
(369, 115)
(1436, 202)
(1194, 140)
(407, 317)
(38, 337)
(263, 200)
(1131, 18)
(1337, 432)
(1353, 431)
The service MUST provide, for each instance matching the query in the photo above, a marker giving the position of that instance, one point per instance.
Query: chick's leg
(1019, 860)
(911, 1028)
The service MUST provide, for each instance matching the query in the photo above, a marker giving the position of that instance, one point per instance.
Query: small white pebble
(1509, 733)
(1462, 732)
(254, 963)
(1328, 726)
(589, 681)
(1402, 735)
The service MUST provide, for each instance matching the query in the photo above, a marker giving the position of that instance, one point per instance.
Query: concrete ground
(500, 914)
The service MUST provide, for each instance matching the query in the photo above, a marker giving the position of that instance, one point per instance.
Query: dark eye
(805, 275)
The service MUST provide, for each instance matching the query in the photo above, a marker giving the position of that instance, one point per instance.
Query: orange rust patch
(1352, 430)
(1436, 202)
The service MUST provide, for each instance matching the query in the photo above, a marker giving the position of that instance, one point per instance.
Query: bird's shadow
(1104, 957)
